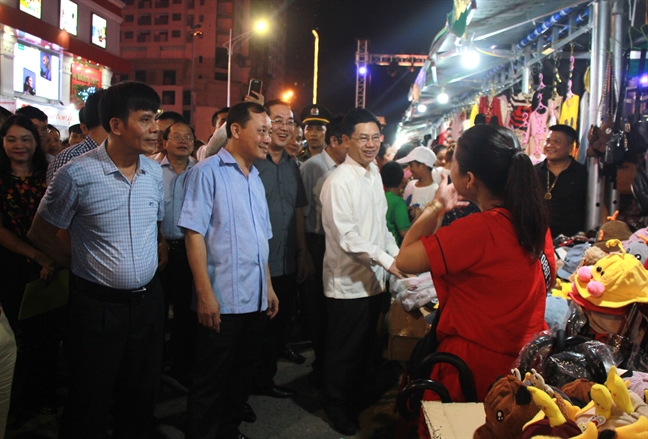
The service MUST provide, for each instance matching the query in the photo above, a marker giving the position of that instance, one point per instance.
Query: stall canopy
(507, 37)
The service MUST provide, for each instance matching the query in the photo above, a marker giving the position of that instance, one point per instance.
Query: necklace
(547, 196)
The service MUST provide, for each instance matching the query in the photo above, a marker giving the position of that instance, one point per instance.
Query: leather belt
(107, 294)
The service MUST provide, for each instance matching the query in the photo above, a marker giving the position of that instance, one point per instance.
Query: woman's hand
(448, 196)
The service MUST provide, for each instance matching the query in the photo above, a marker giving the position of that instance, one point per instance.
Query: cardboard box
(405, 330)
(453, 421)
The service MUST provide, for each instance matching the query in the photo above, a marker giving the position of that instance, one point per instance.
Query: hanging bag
(617, 146)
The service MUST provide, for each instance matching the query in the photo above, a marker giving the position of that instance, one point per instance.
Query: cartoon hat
(508, 407)
(615, 281)
(572, 260)
(612, 229)
(315, 115)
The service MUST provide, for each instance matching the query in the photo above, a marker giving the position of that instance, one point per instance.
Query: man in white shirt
(359, 254)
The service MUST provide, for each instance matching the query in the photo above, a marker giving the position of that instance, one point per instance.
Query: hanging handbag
(638, 135)
(617, 145)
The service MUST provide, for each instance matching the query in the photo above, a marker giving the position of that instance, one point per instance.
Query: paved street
(297, 417)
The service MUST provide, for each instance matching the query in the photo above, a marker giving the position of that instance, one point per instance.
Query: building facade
(180, 46)
(55, 52)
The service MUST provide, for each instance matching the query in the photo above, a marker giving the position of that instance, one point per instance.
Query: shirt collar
(109, 167)
(330, 163)
(284, 157)
(359, 169)
(227, 159)
(165, 162)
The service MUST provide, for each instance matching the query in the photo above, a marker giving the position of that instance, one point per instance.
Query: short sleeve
(60, 203)
(197, 206)
(401, 216)
(457, 247)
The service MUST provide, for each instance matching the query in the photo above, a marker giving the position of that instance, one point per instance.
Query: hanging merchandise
(638, 135)
(521, 104)
(569, 111)
(474, 111)
(556, 100)
(538, 130)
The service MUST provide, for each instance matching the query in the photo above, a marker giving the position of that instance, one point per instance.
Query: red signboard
(84, 81)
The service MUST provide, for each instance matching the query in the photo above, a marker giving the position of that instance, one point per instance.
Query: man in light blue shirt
(178, 142)
(111, 201)
(227, 228)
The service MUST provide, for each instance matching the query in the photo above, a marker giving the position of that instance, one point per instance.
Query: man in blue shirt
(178, 142)
(227, 228)
(111, 201)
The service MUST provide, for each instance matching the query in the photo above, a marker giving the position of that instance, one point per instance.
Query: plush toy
(590, 433)
(550, 420)
(619, 390)
(600, 138)
(578, 391)
(610, 230)
(638, 249)
(591, 256)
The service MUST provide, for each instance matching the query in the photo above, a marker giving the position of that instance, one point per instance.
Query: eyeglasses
(44, 130)
(363, 140)
(287, 123)
(179, 137)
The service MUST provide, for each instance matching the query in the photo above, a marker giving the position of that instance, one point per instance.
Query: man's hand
(273, 302)
(395, 271)
(305, 267)
(163, 255)
(208, 310)
(255, 97)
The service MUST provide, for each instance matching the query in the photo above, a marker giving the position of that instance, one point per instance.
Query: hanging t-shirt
(569, 111)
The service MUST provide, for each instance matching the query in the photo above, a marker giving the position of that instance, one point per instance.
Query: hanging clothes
(538, 132)
(474, 111)
(519, 119)
(456, 129)
(569, 111)
(505, 111)
(555, 105)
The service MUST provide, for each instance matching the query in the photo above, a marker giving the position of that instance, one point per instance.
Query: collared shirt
(359, 247)
(68, 154)
(568, 197)
(314, 173)
(173, 195)
(112, 221)
(231, 212)
(285, 192)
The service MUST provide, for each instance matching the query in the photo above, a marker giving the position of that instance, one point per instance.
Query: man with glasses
(178, 142)
(289, 262)
(360, 251)
(315, 118)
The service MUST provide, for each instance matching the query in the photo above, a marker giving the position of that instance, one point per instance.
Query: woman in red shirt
(487, 266)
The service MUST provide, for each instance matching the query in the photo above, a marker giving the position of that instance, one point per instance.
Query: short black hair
(32, 113)
(392, 175)
(4, 114)
(436, 149)
(271, 103)
(334, 129)
(75, 129)
(123, 98)
(218, 113)
(170, 115)
(240, 113)
(569, 132)
(356, 116)
(404, 149)
(165, 134)
(91, 117)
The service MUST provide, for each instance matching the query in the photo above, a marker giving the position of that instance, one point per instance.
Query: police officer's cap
(315, 115)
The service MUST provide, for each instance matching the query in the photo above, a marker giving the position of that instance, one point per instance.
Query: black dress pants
(225, 364)
(177, 282)
(277, 331)
(115, 352)
(349, 341)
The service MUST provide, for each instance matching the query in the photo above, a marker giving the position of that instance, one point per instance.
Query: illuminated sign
(36, 72)
(84, 80)
(98, 31)
(69, 16)
(32, 7)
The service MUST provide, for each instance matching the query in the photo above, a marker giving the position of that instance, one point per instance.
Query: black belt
(107, 294)
(176, 244)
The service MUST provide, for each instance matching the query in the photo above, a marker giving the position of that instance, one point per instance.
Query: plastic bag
(414, 292)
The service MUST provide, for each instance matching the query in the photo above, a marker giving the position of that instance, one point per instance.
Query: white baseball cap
(420, 154)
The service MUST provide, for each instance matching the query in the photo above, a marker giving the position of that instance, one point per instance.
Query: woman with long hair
(491, 269)
(22, 185)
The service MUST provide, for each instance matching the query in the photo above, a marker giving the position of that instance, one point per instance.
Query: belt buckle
(139, 290)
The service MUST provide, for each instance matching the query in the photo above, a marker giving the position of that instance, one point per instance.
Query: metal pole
(229, 67)
(193, 43)
(600, 48)
(620, 20)
(315, 68)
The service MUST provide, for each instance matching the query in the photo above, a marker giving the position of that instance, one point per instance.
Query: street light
(315, 67)
(260, 26)
(194, 34)
(287, 96)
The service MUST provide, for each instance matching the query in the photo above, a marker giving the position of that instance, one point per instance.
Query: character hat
(612, 229)
(572, 260)
(508, 407)
(615, 281)
(420, 154)
(315, 115)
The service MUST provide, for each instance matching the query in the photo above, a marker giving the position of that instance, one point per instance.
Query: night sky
(392, 27)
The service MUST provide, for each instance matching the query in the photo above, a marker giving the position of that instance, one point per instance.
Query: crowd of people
(271, 223)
